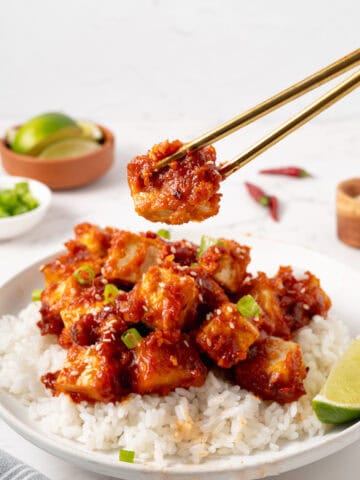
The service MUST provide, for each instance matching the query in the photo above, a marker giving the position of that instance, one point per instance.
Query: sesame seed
(209, 342)
(218, 311)
(229, 309)
(306, 307)
(232, 325)
(97, 296)
(162, 285)
(216, 250)
(107, 308)
(104, 281)
(201, 298)
(173, 250)
(145, 308)
(193, 274)
(303, 290)
(186, 343)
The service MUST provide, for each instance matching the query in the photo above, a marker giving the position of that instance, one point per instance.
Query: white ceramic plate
(338, 280)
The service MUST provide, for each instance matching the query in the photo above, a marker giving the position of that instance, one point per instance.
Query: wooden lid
(348, 211)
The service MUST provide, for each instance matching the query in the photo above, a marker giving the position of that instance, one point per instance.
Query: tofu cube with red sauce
(93, 373)
(271, 319)
(226, 262)
(183, 191)
(274, 370)
(65, 265)
(130, 255)
(226, 336)
(300, 299)
(96, 239)
(164, 299)
(163, 364)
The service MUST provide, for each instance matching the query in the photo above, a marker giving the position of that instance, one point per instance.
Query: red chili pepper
(274, 208)
(288, 171)
(265, 200)
(257, 194)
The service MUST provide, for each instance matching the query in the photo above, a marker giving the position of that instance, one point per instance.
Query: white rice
(215, 419)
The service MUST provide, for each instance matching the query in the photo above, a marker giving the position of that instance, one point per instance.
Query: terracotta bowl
(61, 173)
(348, 211)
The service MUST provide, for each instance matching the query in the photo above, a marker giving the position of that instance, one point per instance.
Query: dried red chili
(263, 199)
(287, 171)
(257, 194)
(274, 208)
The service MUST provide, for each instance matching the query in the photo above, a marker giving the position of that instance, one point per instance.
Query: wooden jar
(348, 211)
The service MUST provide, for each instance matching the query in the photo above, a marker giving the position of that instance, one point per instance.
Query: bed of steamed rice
(215, 419)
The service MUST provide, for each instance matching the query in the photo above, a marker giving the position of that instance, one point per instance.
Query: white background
(156, 69)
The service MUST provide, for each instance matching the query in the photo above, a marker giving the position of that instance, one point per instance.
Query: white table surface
(329, 150)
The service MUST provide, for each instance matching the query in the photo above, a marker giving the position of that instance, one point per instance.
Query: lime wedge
(339, 399)
(91, 130)
(32, 137)
(10, 135)
(70, 147)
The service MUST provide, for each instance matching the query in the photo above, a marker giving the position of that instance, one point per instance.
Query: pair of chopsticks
(285, 96)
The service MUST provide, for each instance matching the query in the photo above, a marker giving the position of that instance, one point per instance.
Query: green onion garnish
(164, 233)
(36, 294)
(248, 307)
(17, 200)
(126, 456)
(131, 338)
(207, 242)
(110, 292)
(84, 275)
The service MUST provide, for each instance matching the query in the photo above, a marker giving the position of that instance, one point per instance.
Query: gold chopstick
(285, 96)
(324, 102)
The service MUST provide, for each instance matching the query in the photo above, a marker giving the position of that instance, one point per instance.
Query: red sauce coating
(183, 191)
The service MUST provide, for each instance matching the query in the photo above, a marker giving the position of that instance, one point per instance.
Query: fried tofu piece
(163, 363)
(93, 373)
(300, 299)
(53, 299)
(181, 192)
(96, 239)
(266, 293)
(226, 262)
(274, 370)
(130, 255)
(226, 336)
(65, 265)
(164, 299)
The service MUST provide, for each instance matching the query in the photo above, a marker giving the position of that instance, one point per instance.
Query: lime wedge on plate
(70, 147)
(339, 399)
(91, 130)
(32, 137)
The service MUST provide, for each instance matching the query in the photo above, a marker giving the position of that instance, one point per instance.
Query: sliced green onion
(21, 188)
(110, 292)
(248, 307)
(36, 294)
(207, 242)
(126, 456)
(164, 233)
(84, 275)
(131, 338)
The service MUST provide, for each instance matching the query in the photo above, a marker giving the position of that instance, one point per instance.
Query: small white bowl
(11, 227)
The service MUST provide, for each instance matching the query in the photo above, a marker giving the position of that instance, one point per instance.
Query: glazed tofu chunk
(163, 364)
(274, 370)
(96, 239)
(226, 262)
(164, 299)
(272, 319)
(130, 255)
(300, 299)
(226, 336)
(91, 373)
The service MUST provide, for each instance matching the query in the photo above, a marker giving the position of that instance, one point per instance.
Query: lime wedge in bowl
(70, 147)
(32, 137)
(91, 130)
(339, 400)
